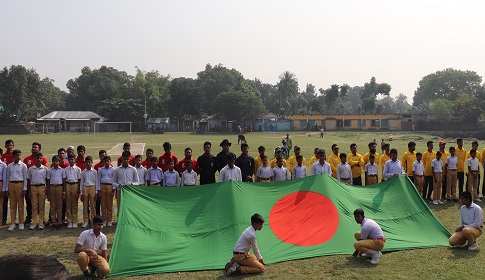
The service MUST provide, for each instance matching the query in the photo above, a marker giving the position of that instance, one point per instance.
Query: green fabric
(195, 228)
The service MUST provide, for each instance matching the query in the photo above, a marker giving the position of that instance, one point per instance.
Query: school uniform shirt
(318, 168)
(154, 175)
(408, 159)
(142, 175)
(334, 161)
(427, 159)
(418, 168)
(73, 173)
(471, 216)
(452, 162)
(352, 160)
(98, 165)
(182, 165)
(62, 164)
(391, 168)
(3, 175)
(371, 169)
(163, 161)
(461, 155)
(131, 161)
(366, 159)
(89, 177)
(189, 178)
(227, 173)
(298, 172)
(272, 164)
(105, 176)
(265, 172)
(478, 156)
(344, 171)
(37, 175)
(171, 178)
(292, 162)
(7, 158)
(56, 175)
(437, 165)
(247, 241)
(444, 156)
(124, 176)
(474, 164)
(207, 169)
(89, 240)
(281, 173)
(17, 172)
(369, 229)
(30, 161)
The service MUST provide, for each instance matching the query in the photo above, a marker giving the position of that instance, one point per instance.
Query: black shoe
(4, 222)
(27, 222)
(92, 270)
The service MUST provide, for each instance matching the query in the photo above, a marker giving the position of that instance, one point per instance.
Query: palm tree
(287, 89)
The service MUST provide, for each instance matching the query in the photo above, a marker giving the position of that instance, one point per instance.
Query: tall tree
(468, 107)
(441, 109)
(287, 89)
(185, 101)
(369, 94)
(238, 106)
(24, 95)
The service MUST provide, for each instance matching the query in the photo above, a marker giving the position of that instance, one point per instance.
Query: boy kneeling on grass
(243, 262)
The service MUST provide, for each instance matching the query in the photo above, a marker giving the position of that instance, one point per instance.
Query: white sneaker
(365, 255)
(41, 226)
(232, 269)
(69, 225)
(74, 225)
(84, 225)
(440, 202)
(21, 226)
(376, 258)
(478, 199)
(473, 247)
(32, 226)
(110, 224)
(435, 202)
(11, 227)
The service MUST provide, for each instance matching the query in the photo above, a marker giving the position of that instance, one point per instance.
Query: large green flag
(196, 228)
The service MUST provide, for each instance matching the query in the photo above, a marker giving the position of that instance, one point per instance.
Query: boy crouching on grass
(243, 262)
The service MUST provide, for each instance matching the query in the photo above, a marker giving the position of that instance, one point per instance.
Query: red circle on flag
(304, 218)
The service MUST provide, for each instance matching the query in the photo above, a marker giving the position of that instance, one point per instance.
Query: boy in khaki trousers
(36, 185)
(73, 180)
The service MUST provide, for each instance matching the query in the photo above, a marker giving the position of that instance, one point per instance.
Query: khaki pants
(107, 202)
(249, 263)
(38, 204)
(101, 265)
(371, 180)
(469, 234)
(55, 196)
(367, 244)
(419, 182)
(71, 203)
(16, 200)
(437, 184)
(451, 180)
(89, 200)
(473, 183)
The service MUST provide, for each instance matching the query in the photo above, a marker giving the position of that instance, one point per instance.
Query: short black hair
(411, 144)
(257, 219)
(475, 142)
(56, 157)
(359, 212)
(451, 149)
(393, 151)
(102, 152)
(61, 150)
(170, 160)
(187, 149)
(473, 152)
(126, 144)
(125, 154)
(138, 156)
(9, 141)
(438, 153)
(230, 156)
(343, 155)
(244, 145)
(37, 144)
(29, 267)
(106, 158)
(372, 156)
(419, 154)
(167, 145)
(207, 143)
(263, 157)
(89, 158)
(154, 159)
(429, 143)
(15, 152)
(261, 148)
(81, 148)
(71, 155)
(371, 144)
(353, 145)
(41, 155)
(334, 145)
(98, 219)
(466, 195)
(299, 157)
(149, 150)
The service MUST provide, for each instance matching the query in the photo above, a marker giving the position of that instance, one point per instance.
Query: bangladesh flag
(195, 228)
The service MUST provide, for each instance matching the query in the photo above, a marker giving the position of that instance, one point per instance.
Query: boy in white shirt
(280, 173)
(73, 179)
(344, 170)
(299, 170)
(418, 172)
(105, 190)
(3, 183)
(189, 176)
(264, 173)
(371, 170)
(17, 186)
(171, 177)
(56, 191)
(473, 172)
(154, 174)
(36, 185)
(89, 181)
(451, 175)
(140, 169)
(437, 167)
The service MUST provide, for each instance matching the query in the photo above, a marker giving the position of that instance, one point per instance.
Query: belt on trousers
(418, 175)
(451, 169)
(238, 253)
(188, 185)
(71, 183)
(106, 184)
(38, 185)
(56, 185)
(266, 179)
(16, 182)
(373, 175)
(345, 179)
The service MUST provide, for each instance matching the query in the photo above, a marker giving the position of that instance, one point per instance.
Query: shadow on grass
(461, 253)
(354, 262)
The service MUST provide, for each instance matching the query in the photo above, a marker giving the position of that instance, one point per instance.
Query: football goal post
(112, 127)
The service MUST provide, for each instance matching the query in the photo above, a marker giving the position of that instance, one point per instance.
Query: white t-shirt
(418, 168)
(437, 165)
(452, 162)
(89, 240)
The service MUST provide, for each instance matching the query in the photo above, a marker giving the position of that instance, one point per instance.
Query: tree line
(118, 96)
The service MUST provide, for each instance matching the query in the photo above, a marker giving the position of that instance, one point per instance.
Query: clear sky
(322, 42)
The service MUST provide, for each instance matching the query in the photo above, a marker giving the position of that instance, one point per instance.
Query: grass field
(435, 263)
